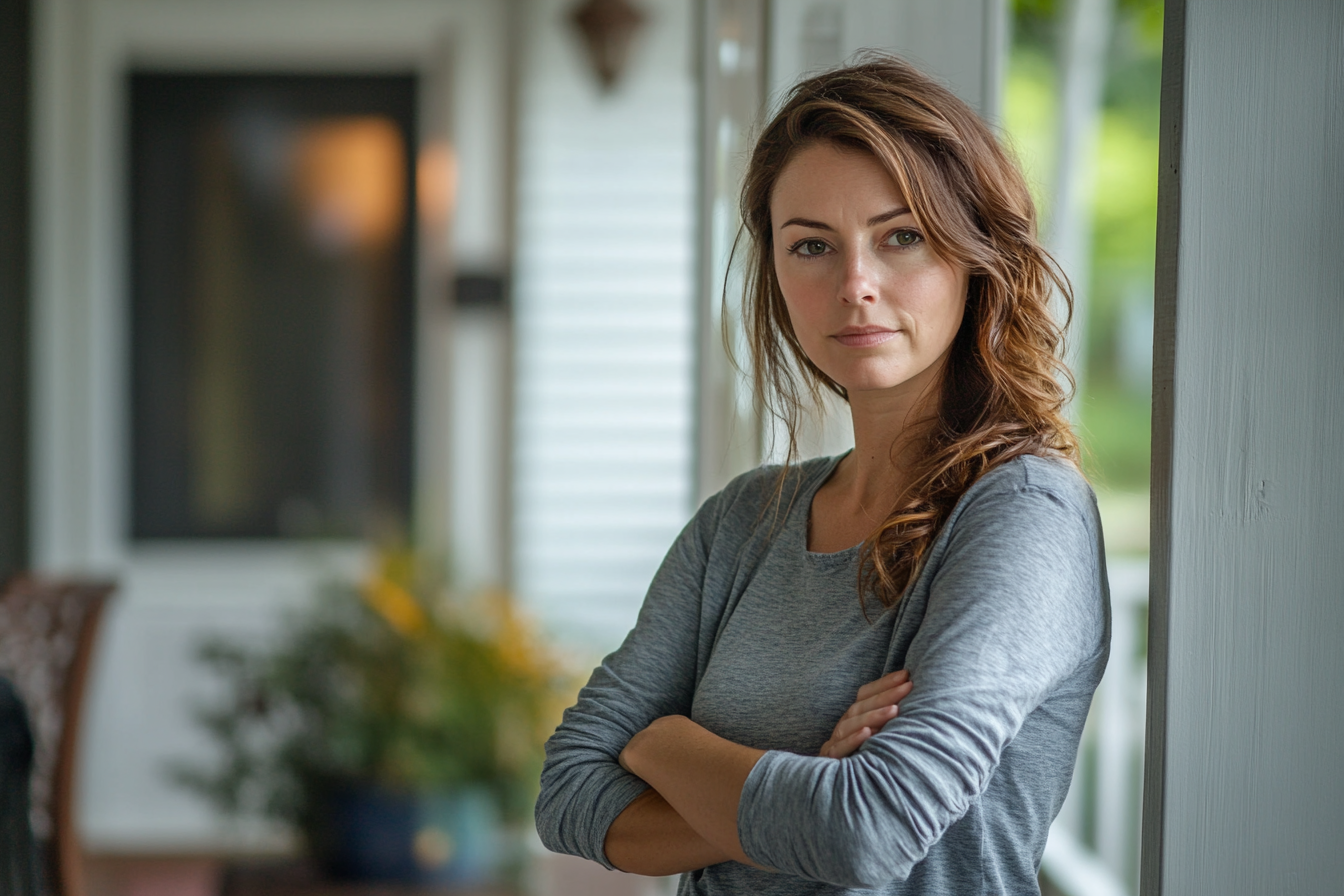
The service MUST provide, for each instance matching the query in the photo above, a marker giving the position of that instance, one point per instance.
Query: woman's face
(872, 304)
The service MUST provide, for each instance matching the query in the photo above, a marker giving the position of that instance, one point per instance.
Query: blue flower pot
(370, 833)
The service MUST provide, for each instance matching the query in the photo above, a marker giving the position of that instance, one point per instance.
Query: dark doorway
(15, 47)
(271, 304)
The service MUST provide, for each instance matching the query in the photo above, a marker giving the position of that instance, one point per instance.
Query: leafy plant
(392, 681)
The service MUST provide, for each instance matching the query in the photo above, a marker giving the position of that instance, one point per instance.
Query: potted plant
(391, 722)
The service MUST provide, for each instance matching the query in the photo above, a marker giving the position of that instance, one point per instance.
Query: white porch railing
(1094, 843)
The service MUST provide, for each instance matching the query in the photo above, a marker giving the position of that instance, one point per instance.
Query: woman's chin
(886, 382)
(889, 378)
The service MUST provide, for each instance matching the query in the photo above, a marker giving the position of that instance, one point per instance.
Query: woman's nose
(859, 286)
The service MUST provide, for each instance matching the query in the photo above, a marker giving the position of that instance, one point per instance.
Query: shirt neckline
(805, 505)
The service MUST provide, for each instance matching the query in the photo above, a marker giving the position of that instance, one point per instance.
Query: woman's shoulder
(766, 492)
(762, 484)
(1055, 475)
(1031, 479)
(1031, 521)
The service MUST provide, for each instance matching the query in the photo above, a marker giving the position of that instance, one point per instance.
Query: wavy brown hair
(1004, 386)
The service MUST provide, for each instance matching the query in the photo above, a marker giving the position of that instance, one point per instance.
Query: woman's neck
(889, 435)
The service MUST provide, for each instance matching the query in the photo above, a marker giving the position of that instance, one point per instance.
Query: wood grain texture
(1248, 583)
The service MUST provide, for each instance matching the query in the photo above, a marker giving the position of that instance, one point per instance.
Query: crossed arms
(688, 819)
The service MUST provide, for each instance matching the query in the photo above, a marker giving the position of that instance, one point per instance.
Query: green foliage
(1146, 14)
(391, 682)
(1029, 120)
(1114, 403)
(1116, 429)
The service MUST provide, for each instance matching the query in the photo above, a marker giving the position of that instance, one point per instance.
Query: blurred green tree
(1115, 362)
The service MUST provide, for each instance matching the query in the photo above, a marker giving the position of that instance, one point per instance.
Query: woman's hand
(876, 705)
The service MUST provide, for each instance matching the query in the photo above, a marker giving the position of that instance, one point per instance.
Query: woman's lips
(861, 337)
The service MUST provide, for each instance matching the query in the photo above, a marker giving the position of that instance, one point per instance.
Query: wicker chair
(47, 633)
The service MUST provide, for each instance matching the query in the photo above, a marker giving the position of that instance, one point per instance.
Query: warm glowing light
(351, 180)
(436, 183)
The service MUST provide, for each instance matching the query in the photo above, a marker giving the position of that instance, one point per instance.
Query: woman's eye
(811, 248)
(903, 238)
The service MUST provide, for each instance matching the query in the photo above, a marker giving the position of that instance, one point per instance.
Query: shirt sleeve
(1016, 606)
(652, 674)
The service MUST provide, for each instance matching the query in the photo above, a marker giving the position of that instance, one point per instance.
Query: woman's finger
(883, 698)
(850, 734)
(877, 703)
(839, 749)
(886, 682)
(874, 719)
(891, 695)
(881, 684)
(879, 698)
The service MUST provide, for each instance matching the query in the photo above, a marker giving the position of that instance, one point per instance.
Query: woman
(869, 671)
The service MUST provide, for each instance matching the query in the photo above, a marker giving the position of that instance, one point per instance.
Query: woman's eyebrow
(887, 216)
(821, 225)
(807, 222)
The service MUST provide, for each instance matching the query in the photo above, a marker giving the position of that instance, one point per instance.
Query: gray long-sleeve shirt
(1005, 635)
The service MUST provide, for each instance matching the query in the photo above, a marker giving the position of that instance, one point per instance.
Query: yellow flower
(395, 604)
(519, 646)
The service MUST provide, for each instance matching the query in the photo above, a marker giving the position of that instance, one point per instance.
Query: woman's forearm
(699, 774)
(649, 837)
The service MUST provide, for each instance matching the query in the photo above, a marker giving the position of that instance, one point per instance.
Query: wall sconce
(608, 28)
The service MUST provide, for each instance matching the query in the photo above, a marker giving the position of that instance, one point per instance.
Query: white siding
(604, 321)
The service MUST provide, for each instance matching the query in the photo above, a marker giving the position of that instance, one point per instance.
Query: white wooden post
(1244, 793)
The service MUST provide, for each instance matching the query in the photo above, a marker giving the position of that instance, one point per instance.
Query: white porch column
(1244, 793)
